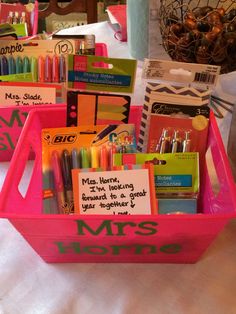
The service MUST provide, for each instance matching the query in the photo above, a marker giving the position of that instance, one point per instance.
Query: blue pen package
(64, 149)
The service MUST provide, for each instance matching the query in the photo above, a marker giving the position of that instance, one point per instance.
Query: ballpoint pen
(66, 167)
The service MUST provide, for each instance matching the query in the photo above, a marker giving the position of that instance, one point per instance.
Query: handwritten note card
(112, 192)
(27, 95)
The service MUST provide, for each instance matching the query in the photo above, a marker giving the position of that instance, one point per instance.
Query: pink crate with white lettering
(107, 238)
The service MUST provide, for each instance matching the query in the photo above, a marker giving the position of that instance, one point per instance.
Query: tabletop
(29, 285)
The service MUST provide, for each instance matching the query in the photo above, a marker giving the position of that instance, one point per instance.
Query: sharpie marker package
(64, 149)
(44, 59)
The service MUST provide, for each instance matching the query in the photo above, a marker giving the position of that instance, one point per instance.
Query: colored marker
(111, 153)
(41, 69)
(4, 66)
(75, 159)
(48, 69)
(19, 65)
(85, 162)
(11, 65)
(58, 181)
(62, 69)
(66, 175)
(26, 65)
(34, 68)
(104, 158)
(55, 69)
(94, 157)
(104, 133)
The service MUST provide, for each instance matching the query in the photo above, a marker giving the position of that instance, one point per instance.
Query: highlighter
(85, 162)
(11, 65)
(55, 69)
(34, 68)
(19, 65)
(48, 69)
(26, 65)
(41, 69)
(4, 66)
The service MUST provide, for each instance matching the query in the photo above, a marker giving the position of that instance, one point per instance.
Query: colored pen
(75, 159)
(55, 69)
(58, 181)
(4, 66)
(26, 65)
(103, 158)
(11, 65)
(104, 132)
(66, 175)
(41, 69)
(85, 162)
(34, 68)
(62, 69)
(94, 157)
(19, 65)
(48, 69)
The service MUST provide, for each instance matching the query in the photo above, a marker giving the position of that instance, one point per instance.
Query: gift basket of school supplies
(200, 31)
(92, 197)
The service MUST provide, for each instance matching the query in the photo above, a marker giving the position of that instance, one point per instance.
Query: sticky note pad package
(94, 108)
(101, 74)
(78, 147)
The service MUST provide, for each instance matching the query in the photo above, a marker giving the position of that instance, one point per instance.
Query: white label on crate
(26, 95)
(114, 192)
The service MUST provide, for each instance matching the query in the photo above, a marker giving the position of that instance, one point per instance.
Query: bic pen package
(64, 149)
(94, 108)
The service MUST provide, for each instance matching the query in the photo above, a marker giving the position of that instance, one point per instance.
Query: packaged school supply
(118, 238)
(17, 13)
(95, 108)
(118, 20)
(78, 147)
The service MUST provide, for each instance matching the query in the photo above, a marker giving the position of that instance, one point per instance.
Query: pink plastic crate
(31, 18)
(12, 118)
(99, 238)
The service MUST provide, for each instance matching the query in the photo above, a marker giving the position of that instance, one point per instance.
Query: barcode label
(204, 77)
